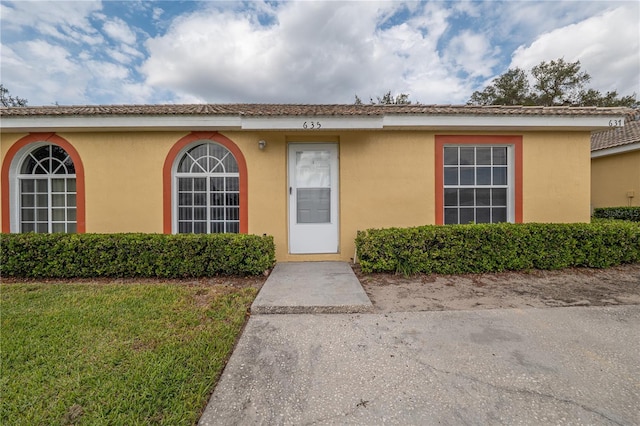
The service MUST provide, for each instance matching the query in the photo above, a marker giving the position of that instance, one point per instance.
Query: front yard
(116, 353)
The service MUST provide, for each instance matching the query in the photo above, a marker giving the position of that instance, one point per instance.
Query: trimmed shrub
(621, 213)
(134, 255)
(457, 249)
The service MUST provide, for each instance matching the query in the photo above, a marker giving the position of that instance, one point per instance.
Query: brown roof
(282, 110)
(619, 136)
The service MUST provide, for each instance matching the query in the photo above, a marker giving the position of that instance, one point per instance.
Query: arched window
(46, 183)
(207, 190)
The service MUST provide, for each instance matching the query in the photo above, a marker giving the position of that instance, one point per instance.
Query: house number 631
(311, 125)
(615, 123)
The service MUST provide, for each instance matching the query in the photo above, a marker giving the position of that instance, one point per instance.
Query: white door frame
(313, 233)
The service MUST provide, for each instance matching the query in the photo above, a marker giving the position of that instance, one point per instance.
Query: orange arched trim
(77, 163)
(441, 140)
(167, 176)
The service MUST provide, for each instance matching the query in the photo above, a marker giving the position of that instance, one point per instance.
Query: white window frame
(175, 176)
(510, 186)
(15, 190)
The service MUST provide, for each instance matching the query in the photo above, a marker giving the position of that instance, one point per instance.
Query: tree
(387, 99)
(511, 88)
(593, 97)
(9, 101)
(556, 82)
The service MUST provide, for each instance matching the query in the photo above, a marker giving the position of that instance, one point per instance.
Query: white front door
(313, 198)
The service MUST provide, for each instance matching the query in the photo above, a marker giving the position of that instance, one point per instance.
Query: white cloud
(314, 52)
(607, 46)
(157, 13)
(60, 20)
(38, 67)
(319, 51)
(472, 52)
(119, 31)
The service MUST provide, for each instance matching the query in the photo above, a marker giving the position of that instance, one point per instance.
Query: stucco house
(615, 165)
(310, 175)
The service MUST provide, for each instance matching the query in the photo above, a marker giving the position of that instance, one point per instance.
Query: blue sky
(439, 52)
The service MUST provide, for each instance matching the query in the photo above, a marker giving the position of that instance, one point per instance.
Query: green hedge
(134, 255)
(455, 249)
(621, 213)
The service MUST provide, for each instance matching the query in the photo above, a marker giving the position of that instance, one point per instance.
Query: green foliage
(6, 100)
(621, 213)
(457, 249)
(511, 88)
(386, 99)
(114, 354)
(134, 255)
(556, 82)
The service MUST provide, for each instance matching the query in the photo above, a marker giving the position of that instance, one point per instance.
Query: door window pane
(314, 205)
(313, 169)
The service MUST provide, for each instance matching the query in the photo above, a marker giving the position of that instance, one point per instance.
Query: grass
(114, 353)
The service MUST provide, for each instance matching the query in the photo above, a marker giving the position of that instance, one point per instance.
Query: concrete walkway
(503, 366)
(311, 287)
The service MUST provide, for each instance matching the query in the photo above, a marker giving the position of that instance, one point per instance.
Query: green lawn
(116, 354)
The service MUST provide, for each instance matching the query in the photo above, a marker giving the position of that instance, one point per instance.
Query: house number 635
(311, 125)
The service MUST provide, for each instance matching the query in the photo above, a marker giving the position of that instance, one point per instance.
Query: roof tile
(619, 136)
(281, 110)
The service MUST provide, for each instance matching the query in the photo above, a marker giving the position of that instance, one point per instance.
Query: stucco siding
(123, 178)
(556, 177)
(613, 177)
(387, 178)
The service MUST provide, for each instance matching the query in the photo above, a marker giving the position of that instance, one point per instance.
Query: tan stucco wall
(613, 177)
(556, 178)
(386, 179)
(370, 196)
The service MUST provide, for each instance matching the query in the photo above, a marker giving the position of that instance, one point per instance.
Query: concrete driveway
(534, 366)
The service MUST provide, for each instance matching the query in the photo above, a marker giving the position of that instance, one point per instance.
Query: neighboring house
(310, 175)
(615, 165)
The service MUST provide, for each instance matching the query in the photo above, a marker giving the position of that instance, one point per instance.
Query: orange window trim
(442, 140)
(167, 177)
(77, 163)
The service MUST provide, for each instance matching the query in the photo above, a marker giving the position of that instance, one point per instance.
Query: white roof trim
(615, 150)
(312, 123)
(511, 121)
(119, 123)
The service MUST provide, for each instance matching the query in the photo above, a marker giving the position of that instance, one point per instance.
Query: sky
(170, 52)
